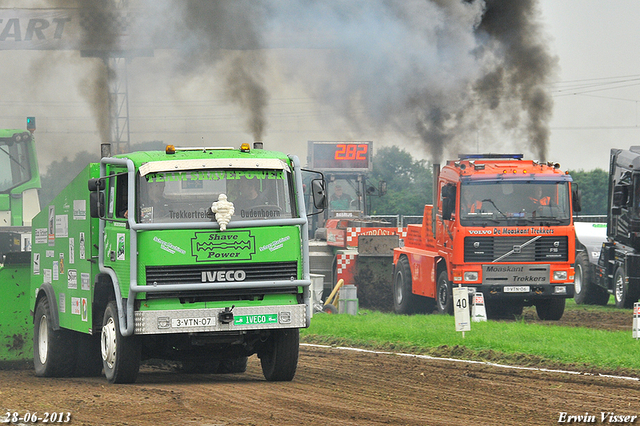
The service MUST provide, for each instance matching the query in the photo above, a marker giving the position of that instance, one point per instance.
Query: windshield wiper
(489, 200)
(11, 157)
(550, 220)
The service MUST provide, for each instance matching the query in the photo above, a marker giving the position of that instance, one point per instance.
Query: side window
(122, 191)
(111, 192)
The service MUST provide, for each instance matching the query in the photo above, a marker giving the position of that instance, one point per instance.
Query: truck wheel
(120, 355)
(53, 350)
(624, 296)
(404, 301)
(444, 297)
(587, 292)
(329, 309)
(279, 357)
(550, 309)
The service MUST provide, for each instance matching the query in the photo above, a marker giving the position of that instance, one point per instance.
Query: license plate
(516, 289)
(192, 322)
(255, 319)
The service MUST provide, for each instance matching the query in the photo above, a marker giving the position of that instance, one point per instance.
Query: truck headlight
(559, 275)
(471, 276)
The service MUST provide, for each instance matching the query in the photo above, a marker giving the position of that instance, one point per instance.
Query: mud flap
(16, 325)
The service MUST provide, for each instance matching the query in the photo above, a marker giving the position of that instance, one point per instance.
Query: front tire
(624, 295)
(587, 292)
(279, 357)
(53, 350)
(444, 295)
(120, 355)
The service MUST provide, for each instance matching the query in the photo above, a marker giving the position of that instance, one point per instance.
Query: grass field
(515, 341)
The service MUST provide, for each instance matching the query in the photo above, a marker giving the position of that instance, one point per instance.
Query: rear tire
(550, 309)
(120, 355)
(404, 301)
(53, 350)
(279, 357)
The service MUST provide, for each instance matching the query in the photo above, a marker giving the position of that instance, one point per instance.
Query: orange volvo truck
(501, 226)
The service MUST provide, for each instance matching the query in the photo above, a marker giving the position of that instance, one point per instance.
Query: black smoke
(438, 71)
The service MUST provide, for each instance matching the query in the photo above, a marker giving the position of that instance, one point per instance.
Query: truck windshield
(187, 196)
(14, 164)
(515, 203)
(344, 194)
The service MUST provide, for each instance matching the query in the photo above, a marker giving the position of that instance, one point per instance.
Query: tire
(233, 365)
(404, 301)
(550, 309)
(444, 296)
(329, 309)
(587, 292)
(53, 350)
(120, 355)
(624, 296)
(279, 357)
(88, 358)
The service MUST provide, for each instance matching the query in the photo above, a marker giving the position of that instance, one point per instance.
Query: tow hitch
(226, 316)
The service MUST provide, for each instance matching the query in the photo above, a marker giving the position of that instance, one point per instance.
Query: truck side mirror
(620, 196)
(448, 201)
(96, 204)
(319, 193)
(576, 197)
(96, 184)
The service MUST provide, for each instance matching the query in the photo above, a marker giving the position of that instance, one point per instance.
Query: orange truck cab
(501, 226)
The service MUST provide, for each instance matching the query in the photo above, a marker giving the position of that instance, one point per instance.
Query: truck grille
(165, 275)
(488, 249)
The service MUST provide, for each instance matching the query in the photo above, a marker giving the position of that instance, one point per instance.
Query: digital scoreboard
(340, 156)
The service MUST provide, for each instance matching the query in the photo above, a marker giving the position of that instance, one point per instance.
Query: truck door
(116, 238)
(445, 219)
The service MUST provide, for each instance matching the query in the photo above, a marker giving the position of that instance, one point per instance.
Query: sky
(346, 79)
(597, 93)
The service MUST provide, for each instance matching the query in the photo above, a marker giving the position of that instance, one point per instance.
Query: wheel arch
(104, 292)
(46, 291)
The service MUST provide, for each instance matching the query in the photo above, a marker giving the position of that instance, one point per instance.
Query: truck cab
(19, 184)
(196, 255)
(612, 268)
(502, 226)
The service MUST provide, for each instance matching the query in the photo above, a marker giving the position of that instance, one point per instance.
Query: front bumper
(218, 320)
(528, 292)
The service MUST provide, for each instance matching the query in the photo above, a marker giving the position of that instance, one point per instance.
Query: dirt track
(332, 387)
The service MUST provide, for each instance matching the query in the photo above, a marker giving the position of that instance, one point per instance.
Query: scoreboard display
(340, 156)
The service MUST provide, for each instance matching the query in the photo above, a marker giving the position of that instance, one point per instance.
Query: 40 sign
(208, 246)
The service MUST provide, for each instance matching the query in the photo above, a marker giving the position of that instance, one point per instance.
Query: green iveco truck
(197, 255)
